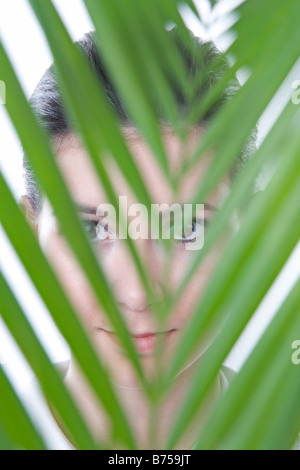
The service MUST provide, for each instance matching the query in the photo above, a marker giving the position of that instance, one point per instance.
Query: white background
(30, 55)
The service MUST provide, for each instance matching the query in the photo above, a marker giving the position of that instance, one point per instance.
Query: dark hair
(47, 102)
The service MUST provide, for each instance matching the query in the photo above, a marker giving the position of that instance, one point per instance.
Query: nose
(129, 289)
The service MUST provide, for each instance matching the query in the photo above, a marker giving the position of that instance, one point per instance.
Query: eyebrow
(86, 209)
(83, 208)
(209, 207)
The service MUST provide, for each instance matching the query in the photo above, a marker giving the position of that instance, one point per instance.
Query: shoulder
(38, 409)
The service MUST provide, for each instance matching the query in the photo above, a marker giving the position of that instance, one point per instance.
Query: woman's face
(144, 327)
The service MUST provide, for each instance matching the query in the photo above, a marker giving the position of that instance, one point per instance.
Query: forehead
(82, 181)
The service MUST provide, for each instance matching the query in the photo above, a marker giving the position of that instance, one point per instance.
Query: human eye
(191, 232)
(96, 230)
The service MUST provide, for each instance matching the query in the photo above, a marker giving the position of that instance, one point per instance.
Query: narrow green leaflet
(244, 277)
(15, 425)
(243, 53)
(270, 69)
(258, 393)
(144, 50)
(258, 85)
(58, 305)
(5, 442)
(119, 54)
(95, 123)
(35, 145)
(48, 377)
(271, 153)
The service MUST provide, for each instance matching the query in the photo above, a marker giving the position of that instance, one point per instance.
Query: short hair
(47, 103)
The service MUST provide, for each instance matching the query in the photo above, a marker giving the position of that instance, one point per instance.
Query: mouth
(145, 343)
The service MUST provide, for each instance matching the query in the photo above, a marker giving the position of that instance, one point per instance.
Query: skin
(129, 293)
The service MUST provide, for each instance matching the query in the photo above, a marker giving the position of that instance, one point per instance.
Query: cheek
(195, 288)
(73, 281)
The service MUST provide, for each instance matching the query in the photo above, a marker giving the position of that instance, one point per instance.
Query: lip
(144, 343)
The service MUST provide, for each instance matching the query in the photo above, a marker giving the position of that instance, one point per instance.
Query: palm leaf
(51, 292)
(254, 382)
(16, 427)
(147, 69)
